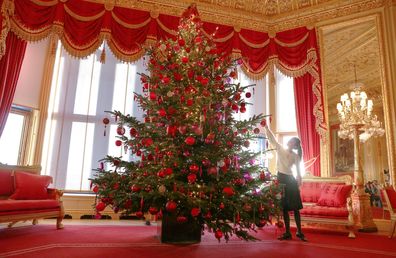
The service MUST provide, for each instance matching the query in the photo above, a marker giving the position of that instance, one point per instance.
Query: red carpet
(141, 242)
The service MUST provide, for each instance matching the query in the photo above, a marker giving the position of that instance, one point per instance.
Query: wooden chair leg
(392, 229)
(11, 224)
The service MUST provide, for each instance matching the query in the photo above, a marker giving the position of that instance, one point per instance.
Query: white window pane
(87, 166)
(120, 85)
(87, 86)
(76, 157)
(285, 107)
(11, 139)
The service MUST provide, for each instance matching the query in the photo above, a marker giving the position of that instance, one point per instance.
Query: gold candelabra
(357, 122)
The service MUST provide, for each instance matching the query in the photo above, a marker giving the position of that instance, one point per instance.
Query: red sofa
(24, 195)
(327, 202)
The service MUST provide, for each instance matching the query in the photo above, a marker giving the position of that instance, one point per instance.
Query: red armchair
(24, 195)
(389, 195)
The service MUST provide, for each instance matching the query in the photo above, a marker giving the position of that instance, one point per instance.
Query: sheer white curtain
(82, 89)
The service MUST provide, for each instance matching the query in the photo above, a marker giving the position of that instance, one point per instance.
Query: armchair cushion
(30, 187)
(25, 205)
(333, 195)
(6, 182)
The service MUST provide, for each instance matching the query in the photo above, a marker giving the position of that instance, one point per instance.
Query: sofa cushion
(325, 212)
(333, 195)
(30, 187)
(6, 182)
(310, 191)
(24, 205)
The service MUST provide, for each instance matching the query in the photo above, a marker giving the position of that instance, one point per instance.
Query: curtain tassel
(103, 56)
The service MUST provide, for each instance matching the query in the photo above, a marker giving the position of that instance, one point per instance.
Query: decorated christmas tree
(190, 158)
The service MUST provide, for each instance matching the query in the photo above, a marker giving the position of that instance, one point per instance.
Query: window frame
(27, 114)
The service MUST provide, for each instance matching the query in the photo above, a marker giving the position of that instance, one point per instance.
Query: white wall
(27, 93)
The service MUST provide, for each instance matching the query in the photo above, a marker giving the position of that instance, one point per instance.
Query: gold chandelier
(355, 110)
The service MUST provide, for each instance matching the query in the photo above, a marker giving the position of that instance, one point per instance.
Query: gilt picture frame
(342, 153)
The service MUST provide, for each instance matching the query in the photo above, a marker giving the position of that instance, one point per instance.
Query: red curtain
(10, 66)
(310, 140)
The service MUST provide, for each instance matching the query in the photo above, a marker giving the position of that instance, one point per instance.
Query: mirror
(347, 45)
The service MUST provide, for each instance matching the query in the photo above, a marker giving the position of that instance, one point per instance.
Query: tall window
(286, 111)
(285, 108)
(256, 97)
(82, 90)
(14, 137)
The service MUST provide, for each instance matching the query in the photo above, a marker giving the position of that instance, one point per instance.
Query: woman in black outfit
(291, 200)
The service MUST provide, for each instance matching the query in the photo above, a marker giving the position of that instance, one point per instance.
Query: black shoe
(285, 236)
(147, 223)
(302, 237)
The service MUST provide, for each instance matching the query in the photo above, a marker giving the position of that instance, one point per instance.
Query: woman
(291, 200)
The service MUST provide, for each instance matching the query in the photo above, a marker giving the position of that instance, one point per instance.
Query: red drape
(84, 25)
(10, 66)
(310, 140)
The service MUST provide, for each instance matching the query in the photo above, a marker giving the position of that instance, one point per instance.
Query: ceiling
(347, 46)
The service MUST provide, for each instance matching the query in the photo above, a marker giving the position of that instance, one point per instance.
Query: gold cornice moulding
(233, 13)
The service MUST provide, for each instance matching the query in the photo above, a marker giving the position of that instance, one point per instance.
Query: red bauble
(256, 130)
(153, 210)
(248, 94)
(242, 109)
(212, 170)
(246, 144)
(184, 59)
(190, 140)
(100, 206)
(118, 142)
(208, 215)
(171, 130)
(206, 162)
(182, 129)
(206, 93)
(229, 191)
(95, 189)
(194, 168)
(237, 96)
(165, 80)
(198, 40)
(195, 212)
(247, 207)
(218, 234)
(152, 95)
(133, 132)
(181, 42)
(161, 112)
(171, 206)
(139, 214)
(181, 219)
(190, 102)
(210, 136)
(234, 107)
(191, 178)
(106, 121)
(204, 81)
(120, 130)
(161, 173)
(135, 188)
(263, 122)
(221, 206)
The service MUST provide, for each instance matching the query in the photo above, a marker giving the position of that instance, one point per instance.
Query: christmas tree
(190, 155)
